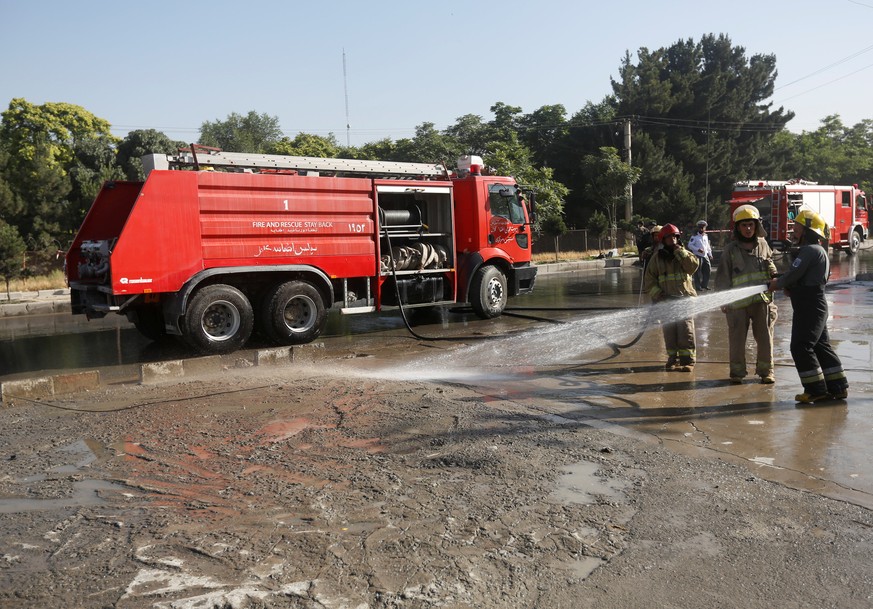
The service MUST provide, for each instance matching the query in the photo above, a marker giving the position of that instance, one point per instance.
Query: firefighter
(820, 369)
(668, 275)
(644, 238)
(748, 260)
(646, 253)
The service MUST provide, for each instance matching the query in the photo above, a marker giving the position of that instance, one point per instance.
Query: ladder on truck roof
(210, 157)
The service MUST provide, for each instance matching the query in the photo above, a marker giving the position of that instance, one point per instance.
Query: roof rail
(198, 156)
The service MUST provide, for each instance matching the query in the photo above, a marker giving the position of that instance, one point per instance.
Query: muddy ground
(284, 487)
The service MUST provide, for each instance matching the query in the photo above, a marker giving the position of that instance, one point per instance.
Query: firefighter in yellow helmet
(748, 260)
(820, 369)
(668, 275)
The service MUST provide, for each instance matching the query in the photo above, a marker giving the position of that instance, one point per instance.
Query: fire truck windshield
(504, 202)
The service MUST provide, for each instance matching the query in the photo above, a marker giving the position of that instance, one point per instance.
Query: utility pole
(629, 201)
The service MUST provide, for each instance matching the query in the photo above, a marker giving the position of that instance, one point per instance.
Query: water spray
(548, 346)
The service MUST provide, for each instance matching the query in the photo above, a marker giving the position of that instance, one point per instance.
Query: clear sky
(171, 66)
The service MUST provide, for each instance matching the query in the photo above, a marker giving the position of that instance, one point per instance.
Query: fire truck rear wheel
(488, 292)
(219, 320)
(293, 313)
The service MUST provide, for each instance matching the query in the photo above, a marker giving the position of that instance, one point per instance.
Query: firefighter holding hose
(746, 261)
(669, 274)
(820, 369)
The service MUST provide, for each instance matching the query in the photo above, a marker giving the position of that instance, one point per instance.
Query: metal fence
(577, 241)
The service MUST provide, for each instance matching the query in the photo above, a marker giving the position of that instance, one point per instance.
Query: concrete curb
(42, 302)
(48, 386)
(43, 388)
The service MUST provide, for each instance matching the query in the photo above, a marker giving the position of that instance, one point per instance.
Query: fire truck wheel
(854, 243)
(488, 292)
(149, 320)
(293, 313)
(219, 320)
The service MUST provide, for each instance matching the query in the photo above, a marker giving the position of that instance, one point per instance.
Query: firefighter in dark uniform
(668, 275)
(820, 369)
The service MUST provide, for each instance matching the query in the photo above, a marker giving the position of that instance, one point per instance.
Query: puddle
(580, 484)
(86, 493)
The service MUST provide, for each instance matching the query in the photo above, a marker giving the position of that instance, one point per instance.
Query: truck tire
(219, 320)
(149, 320)
(293, 313)
(854, 243)
(488, 292)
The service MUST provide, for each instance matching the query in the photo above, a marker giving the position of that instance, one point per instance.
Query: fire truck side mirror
(531, 204)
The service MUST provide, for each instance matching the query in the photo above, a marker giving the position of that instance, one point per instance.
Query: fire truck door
(507, 225)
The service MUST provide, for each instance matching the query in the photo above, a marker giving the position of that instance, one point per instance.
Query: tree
(832, 154)
(554, 226)
(609, 179)
(428, 146)
(12, 248)
(511, 158)
(598, 224)
(540, 130)
(703, 108)
(255, 133)
(139, 143)
(373, 151)
(471, 134)
(55, 153)
(306, 144)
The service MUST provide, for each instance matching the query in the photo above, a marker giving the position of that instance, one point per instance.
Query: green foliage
(48, 132)
(255, 133)
(598, 224)
(306, 144)
(57, 154)
(832, 154)
(702, 121)
(12, 248)
(373, 151)
(608, 181)
(428, 146)
(511, 158)
(139, 143)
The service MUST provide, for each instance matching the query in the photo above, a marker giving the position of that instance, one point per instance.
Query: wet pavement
(821, 449)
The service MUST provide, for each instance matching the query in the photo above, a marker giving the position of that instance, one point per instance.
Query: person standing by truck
(700, 247)
(820, 369)
(748, 260)
(668, 275)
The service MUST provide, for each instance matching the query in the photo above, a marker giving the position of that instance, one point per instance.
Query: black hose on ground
(614, 346)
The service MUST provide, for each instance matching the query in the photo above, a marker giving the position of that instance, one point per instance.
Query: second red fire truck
(846, 209)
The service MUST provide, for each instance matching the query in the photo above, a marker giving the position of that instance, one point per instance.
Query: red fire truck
(215, 244)
(846, 209)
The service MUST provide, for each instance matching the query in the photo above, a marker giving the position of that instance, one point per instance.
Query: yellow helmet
(656, 233)
(814, 222)
(748, 212)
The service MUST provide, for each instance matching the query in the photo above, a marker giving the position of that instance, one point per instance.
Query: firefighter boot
(807, 398)
(842, 394)
(768, 379)
(686, 365)
(672, 365)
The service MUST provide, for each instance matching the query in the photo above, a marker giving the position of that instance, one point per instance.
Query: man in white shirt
(700, 247)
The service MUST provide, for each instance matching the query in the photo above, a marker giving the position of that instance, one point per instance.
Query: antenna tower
(346, 92)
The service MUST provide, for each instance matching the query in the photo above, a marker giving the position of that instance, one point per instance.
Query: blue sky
(173, 65)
